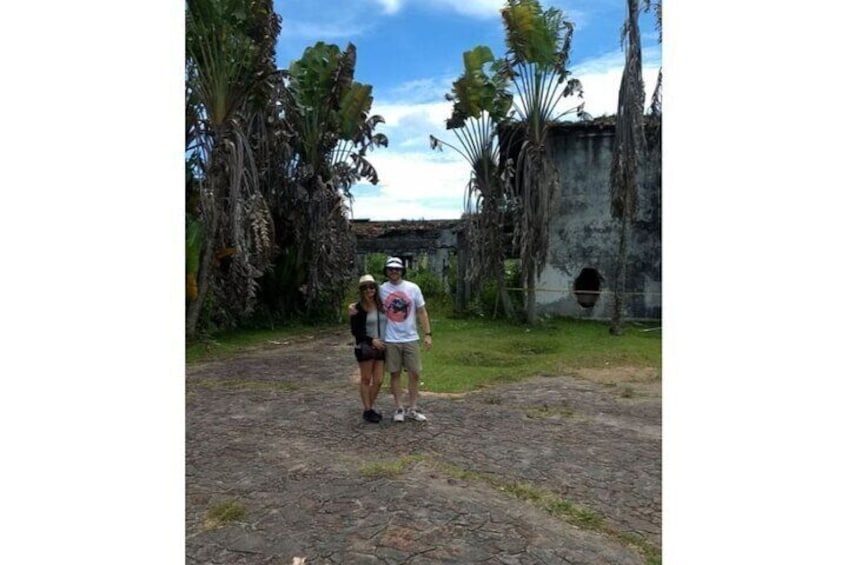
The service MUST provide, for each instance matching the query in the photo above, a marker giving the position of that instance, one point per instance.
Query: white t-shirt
(401, 302)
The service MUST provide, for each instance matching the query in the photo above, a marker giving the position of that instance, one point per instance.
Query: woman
(367, 325)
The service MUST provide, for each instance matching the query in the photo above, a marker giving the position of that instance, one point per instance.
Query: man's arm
(424, 322)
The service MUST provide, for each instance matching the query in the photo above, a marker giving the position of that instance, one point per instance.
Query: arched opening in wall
(587, 287)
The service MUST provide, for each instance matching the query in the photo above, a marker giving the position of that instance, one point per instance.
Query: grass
(583, 518)
(388, 469)
(232, 343)
(549, 412)
(239, 384)
(224, 513)
(565, 510)
(469, 354)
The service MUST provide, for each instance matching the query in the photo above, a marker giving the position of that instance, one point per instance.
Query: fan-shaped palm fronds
(538, 49)
(224, 68)
(480, 101)
(330, 130)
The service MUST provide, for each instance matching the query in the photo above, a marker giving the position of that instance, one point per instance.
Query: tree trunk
(530, 307)
(196, 306)
(204, 273)
(629, 147)
(463, 293)
(507, 303)
(620, 278)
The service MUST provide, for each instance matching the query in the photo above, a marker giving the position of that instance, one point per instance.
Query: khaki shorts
(403, 355)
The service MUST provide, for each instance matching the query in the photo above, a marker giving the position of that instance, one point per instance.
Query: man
(404, 304)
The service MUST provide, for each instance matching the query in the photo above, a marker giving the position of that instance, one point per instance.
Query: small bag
(367, 351)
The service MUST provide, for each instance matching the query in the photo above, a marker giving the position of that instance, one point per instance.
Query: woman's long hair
(377, 301)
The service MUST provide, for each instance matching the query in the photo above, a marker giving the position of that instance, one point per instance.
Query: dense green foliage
(271, 155)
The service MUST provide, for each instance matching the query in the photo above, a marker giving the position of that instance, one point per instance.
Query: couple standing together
(387, 318)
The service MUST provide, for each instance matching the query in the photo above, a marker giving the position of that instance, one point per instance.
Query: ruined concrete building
(428, 244)
(584, 237)
(583, 254)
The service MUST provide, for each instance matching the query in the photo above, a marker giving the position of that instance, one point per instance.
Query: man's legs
(396, 390)
(413, 389)
(412, 364)
(394, 358)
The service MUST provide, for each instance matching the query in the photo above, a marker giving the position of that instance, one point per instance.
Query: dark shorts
(381, 355)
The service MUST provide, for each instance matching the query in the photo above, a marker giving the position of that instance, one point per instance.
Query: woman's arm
(357, 325)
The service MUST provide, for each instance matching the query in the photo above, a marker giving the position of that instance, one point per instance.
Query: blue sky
(411, 52)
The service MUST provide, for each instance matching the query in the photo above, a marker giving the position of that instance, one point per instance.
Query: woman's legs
(365, 371)
(376, 382)
(369, 385)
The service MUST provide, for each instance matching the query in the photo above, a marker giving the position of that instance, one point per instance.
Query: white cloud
(476, 8)
(491, 9)
(413, 186)
(601, 78)
(409, 126)
(326, 31)
(473, 8)
(417, 182)
(390, 6)
(614, 60)
(577, 11)
(424, 89)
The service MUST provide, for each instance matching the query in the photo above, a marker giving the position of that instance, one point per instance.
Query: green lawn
(224, 345)
(469, 353)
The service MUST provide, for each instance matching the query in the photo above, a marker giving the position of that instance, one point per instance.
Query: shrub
(431, 284)
(483, 304)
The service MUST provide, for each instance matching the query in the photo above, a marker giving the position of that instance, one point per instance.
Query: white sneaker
(398, 417)
(414, 414)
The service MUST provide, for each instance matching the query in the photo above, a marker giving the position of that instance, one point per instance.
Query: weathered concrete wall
(584, 234)
(421, 244)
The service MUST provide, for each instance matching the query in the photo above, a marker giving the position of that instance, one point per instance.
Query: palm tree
(225, 67)
(480, 102)
(628, 152)
(327, 121)
(538, 48)
(656, 98)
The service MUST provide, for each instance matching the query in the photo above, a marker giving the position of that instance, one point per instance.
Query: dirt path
(555, 469)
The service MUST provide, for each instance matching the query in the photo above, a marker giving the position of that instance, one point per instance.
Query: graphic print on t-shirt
(398, 306)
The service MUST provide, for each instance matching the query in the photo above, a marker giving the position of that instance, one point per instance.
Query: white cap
(394, 263)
